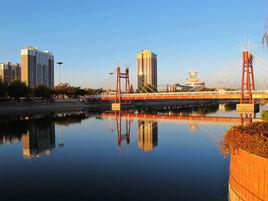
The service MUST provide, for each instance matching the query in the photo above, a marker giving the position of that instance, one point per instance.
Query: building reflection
(9, 139)
(147, 134)
(193, 126)
(38, 139)
(248, 180)
(36, 134)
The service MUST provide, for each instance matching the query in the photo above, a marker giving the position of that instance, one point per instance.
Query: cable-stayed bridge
(235, 95)
(244, 81)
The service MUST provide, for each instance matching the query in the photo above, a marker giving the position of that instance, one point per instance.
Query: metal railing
(107, 95)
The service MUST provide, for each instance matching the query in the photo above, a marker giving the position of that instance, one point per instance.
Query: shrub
(252, 138)
(264, 114)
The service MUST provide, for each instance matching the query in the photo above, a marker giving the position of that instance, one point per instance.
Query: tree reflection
(36, 134)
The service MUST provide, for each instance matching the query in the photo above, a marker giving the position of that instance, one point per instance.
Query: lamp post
(60, 64)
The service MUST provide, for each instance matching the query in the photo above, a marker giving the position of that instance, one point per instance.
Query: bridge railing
(203, 93)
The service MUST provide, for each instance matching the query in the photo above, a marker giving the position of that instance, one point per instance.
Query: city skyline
(203, 41)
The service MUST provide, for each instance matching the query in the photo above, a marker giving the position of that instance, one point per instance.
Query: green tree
(17, 89)
(42, 91)
(3, 89)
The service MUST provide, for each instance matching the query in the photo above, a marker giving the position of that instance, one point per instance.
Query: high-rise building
(147, 70)
(37, 67)
(10, 71)
(147, 135)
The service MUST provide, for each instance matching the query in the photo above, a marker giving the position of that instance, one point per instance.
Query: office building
(37, 67)
(147, 70)
(10, 71)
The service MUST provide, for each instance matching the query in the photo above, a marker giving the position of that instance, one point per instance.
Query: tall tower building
(147, 69)
(10, 71)
(37, 67)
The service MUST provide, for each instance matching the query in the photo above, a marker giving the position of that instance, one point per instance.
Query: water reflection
(40, 138)
(37, 135)
(181, 154)
(147, 134)
(122, 135)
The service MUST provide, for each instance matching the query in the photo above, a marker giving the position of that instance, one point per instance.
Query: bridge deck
(257, 94)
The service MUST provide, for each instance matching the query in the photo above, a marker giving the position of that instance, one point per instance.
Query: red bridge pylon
(248, 82)
(120, 76)
(247, 103)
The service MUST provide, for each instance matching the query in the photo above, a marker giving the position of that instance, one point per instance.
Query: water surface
(87, 156)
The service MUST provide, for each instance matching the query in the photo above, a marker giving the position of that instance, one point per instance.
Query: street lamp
(59, 63)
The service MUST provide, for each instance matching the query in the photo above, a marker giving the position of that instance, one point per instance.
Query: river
(145, 155)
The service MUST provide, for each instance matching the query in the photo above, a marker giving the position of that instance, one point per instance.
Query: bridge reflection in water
(248, 179)
(148, 125)
(244, 118)
(147, 132)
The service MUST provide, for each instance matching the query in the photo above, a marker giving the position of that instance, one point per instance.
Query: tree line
(17, 90)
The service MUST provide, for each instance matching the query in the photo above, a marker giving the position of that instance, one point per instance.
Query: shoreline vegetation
(252, 138)
(16, 98)
(17, 90)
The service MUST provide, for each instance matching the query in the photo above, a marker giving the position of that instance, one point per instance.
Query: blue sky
(92, 36)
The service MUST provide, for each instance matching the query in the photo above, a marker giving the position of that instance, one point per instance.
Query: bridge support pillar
(248, 108)
(116, 106)
(222, 106)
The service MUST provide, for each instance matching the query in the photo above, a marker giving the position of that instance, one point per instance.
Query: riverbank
(22, 108)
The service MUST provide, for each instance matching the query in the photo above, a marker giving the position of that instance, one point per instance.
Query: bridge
(206, 95)
(247, 94)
